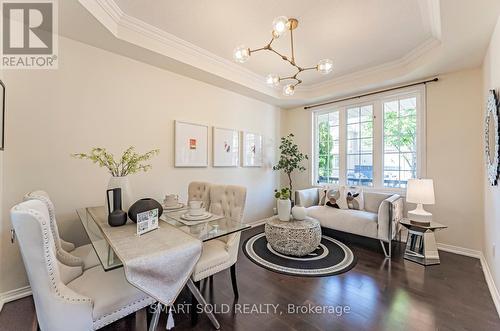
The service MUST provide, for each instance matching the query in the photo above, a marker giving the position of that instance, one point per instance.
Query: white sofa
(378, 220)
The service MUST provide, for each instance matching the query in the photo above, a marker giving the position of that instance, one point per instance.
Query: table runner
(159, 262)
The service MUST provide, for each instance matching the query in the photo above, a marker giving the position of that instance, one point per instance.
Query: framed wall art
(252, 149)
(191, 145)
(2, 117)
(226, 147)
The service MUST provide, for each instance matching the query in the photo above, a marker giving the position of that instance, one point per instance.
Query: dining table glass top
(204, 231)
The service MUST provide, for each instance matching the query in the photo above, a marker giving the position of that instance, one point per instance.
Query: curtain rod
(372, 93)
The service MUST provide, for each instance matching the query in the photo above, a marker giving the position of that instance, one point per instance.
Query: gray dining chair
(199, 191)
(222, 253)
(68, 297)
(66, 252)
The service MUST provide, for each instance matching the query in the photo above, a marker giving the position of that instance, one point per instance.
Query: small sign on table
(147, 221)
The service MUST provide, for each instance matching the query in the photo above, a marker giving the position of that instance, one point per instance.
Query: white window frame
(377, 100)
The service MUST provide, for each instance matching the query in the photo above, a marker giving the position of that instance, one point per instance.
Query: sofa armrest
(389, 213)
(307, 198)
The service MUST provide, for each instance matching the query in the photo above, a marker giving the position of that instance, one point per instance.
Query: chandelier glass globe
(273, 80)
(279, 26)
(325, 66)
(241, 54)
(289, 90)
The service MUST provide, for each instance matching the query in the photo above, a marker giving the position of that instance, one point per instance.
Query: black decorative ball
(143, 205)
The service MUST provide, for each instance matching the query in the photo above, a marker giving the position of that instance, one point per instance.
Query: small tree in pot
(290, 159)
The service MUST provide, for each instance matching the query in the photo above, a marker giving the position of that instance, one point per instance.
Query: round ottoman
(297, 238)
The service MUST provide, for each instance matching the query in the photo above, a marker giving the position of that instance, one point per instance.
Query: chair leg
(194, 304)
(386, 253)
(233, 280)
(149, 316)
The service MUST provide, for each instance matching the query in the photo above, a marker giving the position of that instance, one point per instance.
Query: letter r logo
(27, 27)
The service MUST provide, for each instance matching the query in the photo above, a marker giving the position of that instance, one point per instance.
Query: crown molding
(140, 33)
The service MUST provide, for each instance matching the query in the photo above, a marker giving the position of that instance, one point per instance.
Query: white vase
(284, 208)
(299, 213)
(123, 183)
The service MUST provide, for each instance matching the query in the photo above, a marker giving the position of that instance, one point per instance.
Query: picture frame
(2, 116)
(191, 145)
(252, 149)
(225, 147)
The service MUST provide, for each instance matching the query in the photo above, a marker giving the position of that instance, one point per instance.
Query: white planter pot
(284, 208)
(123, 183)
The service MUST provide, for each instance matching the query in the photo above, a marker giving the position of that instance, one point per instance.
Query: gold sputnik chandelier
(280, 25)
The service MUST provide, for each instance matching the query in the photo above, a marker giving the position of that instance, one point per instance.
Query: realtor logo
(29, 35)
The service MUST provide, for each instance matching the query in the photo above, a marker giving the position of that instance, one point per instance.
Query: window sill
(393, 190)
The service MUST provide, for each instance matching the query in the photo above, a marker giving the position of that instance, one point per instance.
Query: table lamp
(421, 192)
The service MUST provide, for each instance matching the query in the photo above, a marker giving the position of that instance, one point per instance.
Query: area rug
(332, 257)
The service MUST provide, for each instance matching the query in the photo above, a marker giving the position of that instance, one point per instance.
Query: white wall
(97, 98)
(454, 154)
(491, 75)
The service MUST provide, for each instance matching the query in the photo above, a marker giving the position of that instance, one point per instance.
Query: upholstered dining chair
(66, 252)
(199, 191)
(222, 253)
(66, 297)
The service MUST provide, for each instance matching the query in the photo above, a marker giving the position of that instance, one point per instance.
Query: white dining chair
(199, 191)
(66, 252)
(222, 253)
(67, 297)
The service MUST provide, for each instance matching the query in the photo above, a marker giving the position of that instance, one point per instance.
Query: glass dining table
(204, 231)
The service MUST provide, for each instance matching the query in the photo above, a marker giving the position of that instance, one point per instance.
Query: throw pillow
(322, 196)
(354, 198)
(336, 198)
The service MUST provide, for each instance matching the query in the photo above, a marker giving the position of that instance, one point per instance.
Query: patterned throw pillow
(322, 196)
(336, 198)
(355, 199)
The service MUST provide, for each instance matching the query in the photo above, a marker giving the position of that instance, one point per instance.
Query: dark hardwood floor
(379, 294)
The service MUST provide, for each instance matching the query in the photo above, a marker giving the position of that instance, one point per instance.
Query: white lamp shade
(420, 191)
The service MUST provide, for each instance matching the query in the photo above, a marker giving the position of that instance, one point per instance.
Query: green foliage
(129, 163)
(283, 194)
(290, 159)
(324, 149)
(401, 133)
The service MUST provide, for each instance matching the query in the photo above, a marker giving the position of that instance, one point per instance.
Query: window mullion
(378, 145)
(343, 146)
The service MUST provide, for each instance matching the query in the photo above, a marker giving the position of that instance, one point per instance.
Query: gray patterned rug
(331, 258)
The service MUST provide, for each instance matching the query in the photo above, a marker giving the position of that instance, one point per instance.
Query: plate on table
(204, 216)
(174, 207)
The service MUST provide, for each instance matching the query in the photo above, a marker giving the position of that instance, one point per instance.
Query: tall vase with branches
(290, 159)
(129, 163)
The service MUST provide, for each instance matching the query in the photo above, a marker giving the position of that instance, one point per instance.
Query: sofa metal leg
(386, 253)
(194, 306)
(233, 280)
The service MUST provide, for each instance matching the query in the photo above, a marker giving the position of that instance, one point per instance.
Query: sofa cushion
(359, 222)
(355, 200)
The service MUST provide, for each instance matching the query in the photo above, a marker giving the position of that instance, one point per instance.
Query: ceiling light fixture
(280, 25)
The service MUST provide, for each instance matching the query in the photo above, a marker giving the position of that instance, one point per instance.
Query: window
(400, 141)
(374, 142)
(328, 147)
(360, 145)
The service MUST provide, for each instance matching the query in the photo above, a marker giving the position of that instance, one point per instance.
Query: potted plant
(129, 163)
(290, 159)
(284, 203)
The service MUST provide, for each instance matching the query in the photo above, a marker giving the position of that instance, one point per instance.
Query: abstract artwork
(191, 145)
(252, 149)
(226, 147)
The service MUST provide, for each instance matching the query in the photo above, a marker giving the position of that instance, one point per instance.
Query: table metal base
(421, 247)
(201, 300)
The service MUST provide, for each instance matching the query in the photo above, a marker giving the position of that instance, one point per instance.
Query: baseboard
(495, 294)
(12, 295)
(460, 250)
(258, 222)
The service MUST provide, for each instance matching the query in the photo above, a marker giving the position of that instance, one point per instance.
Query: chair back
(31, 222)
(200, 191)
(61, 254)
(228, 201)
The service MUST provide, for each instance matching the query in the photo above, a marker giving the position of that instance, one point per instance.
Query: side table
(421, 244)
